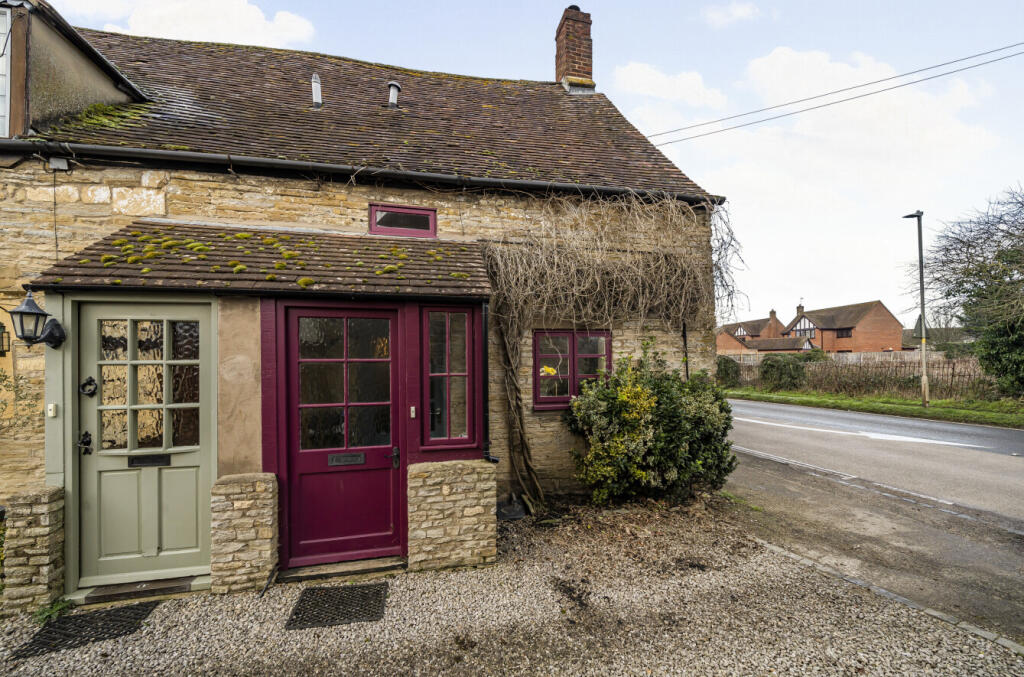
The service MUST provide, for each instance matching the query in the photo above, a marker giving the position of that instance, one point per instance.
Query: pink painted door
(344, 460)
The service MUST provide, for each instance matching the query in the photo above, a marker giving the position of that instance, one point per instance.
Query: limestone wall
(34, 550)
(93, 200)
(243, 532)
(452, 519)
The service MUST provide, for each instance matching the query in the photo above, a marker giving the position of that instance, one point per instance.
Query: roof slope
(207, 258)
(256, 101)
(839, 317)
(784, 343)
(752, 327)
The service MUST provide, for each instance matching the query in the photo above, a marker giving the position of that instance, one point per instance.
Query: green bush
(813, 355)
(782, 372)
(727, 372)
(650, 433)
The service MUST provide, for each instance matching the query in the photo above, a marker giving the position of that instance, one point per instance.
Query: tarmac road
(887, 500)
(976, 466)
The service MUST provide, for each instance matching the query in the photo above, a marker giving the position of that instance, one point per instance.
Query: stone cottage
(270, 341)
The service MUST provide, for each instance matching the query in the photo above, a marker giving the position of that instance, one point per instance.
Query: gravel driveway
(644, 590)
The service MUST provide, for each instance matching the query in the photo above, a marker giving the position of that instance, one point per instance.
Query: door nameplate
(346, 459)
(149, 460)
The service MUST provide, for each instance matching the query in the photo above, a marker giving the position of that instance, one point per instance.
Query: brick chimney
(574, 52)
(800, 310)
(772, 314)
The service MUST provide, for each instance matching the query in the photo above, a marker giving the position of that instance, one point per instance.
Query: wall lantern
(31, 325)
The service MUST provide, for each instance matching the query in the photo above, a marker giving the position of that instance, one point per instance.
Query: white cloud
(686, 87)
(237, 21)
(720, 16)
(816, 199)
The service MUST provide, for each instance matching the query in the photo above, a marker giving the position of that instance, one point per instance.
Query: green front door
(144, 441)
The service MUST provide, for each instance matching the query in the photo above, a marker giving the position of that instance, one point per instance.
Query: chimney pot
(574, 51)
(393, 89)
(800, 310)
(772, 314)
(318, 99)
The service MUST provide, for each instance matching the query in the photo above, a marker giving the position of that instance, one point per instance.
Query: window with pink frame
(562, 360)
(450, 374)
(388, 219)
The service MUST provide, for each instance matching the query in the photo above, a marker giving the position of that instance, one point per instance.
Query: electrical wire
(835, 91)
(838, 101)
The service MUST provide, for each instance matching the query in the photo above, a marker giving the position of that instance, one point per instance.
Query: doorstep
(355, 568)
(103, 594)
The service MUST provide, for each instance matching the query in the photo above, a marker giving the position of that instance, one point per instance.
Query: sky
(815, 199)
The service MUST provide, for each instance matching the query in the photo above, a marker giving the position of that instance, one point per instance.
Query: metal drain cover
(69, 632)
(325, 606)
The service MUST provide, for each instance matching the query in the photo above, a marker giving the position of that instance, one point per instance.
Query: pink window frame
(545, 403)
(376, 207)
(474, 370)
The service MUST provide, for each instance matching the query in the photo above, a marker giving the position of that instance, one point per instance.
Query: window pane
(553, 345)
(438, 407)
(322, 382)
(185, 340)
(369, 381)
(552, 366)
(322, 428)
(321, 337)
(589, 365)
(459, 410)
(554, 387)
(149, 384)
(149, 428)
(149, 336)
(114, 339)
(184, 383)
(590, 345)
(114, 429)
(389, 219)
(457, 348)
(438, 326)
(113, 384)
(184, 427)
(369, 426)
(369, 338)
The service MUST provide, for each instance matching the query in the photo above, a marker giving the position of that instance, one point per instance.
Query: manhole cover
(68, 632)
(322, 607)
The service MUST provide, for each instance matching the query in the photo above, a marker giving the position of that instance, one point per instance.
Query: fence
(855, 358)
(959, 378)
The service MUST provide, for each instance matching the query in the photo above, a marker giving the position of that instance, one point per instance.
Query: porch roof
(151, 255)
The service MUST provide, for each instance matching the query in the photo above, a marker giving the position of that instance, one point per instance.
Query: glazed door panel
(344, 459)
(145, 436)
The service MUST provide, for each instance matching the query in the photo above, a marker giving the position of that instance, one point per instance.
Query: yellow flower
(548, 371)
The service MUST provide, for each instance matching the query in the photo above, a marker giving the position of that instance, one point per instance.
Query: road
(975, 466)
(931, 511)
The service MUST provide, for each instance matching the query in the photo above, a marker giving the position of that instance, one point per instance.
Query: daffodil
(548, 371)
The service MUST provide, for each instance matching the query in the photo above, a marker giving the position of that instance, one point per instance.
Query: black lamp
(31, 325)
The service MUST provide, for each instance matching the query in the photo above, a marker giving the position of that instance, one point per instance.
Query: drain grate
(69, 632)
(322, 607)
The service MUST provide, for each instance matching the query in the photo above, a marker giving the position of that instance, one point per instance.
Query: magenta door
(344, 461)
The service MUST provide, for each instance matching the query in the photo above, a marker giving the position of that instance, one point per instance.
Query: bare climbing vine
(600, 261)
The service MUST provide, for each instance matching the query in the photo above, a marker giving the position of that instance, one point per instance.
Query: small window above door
(403, 221)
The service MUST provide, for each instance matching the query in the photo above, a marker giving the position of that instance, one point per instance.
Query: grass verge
(1004, 413)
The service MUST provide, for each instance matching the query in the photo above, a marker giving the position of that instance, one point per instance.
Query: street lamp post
(924, 332)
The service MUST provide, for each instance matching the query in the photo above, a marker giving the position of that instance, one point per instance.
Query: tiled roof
(752, 327)
(256, 101)
(209, 258)
(839, 317)
(785, 343)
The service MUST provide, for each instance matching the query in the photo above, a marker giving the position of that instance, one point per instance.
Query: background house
(856, 328)
(280, 344)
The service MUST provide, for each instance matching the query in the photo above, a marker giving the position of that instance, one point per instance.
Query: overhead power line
(836, 91)
(837, 101)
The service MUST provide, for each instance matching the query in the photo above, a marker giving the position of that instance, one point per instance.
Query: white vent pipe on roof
(393, 89)
(318, 99)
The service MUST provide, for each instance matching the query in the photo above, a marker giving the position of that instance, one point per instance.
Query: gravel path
(638, 591)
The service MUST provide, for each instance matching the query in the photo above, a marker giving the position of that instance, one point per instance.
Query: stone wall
(34, 550)
(452, 519)
(243, 532)
(93, 200)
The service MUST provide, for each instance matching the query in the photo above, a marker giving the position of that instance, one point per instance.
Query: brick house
(269, 273)
(857, 328)
(734, 338)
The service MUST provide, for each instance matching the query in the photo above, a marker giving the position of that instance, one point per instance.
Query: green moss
(133, 259)
(290, 254)
(240, 268)
(271, 277)
(243, 236)
(107, 257)
(305, 281)
(146, 270)
(85, 260)
(115, 282)
(119, 242)
(233, 262)
(461, 276)
(214, 269)
(280, 265)
(107, 116)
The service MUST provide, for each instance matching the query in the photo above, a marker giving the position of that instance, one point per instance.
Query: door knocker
(88, 387)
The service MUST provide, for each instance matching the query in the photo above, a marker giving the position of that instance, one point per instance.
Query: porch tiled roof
(209, 258)
(784, 343)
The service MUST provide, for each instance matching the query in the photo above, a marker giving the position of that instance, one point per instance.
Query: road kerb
(882, 592)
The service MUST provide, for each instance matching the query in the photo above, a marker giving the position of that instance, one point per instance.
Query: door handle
(85, 443)
(394, 456)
